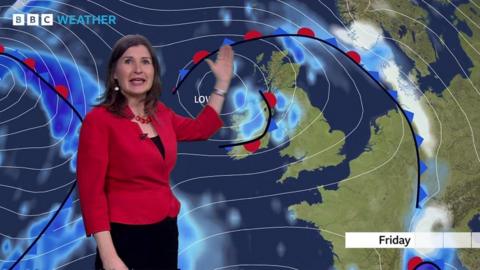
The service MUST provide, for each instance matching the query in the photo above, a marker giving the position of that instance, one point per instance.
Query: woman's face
(134, 71)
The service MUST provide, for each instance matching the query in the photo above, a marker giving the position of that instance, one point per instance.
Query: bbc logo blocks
(32, 19)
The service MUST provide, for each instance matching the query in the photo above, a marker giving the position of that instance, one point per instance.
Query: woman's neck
(136, 105)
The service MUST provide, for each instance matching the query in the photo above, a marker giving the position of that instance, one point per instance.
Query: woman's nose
(137, 68)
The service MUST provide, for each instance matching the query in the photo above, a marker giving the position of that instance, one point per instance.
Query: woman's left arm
(222, 68)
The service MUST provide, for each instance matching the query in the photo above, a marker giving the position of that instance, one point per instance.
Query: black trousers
(145, 247)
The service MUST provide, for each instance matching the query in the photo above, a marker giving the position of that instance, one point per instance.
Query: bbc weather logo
(32, 19)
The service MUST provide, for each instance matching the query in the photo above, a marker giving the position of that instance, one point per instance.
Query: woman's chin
(135, 92)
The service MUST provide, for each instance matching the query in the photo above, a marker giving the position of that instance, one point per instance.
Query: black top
(159, 145)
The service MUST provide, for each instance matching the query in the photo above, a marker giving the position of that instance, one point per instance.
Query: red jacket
(122, 177)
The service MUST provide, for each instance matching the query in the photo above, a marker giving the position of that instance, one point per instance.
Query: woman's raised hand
(222, 68)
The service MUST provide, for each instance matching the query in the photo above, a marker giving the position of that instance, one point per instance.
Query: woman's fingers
(209, 62)
(228, 51)
(225, 53)
(222, 67)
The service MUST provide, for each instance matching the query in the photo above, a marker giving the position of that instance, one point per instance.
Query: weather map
(350, 137)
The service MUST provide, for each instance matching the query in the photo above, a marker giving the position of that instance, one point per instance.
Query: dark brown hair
(115, 101)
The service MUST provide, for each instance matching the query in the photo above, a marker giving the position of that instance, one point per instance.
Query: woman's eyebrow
(143, 57)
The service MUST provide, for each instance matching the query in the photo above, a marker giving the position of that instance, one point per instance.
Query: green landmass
(284, 75)
(239, 152)
(376, 197)
(462, 191)
(313, 145)
(459, 138)
(311, 142)
(405, 30)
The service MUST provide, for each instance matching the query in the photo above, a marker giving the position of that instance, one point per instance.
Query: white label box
(402, 240)
(428, 240)
(476, 240)
(457, 240)
(379, 240)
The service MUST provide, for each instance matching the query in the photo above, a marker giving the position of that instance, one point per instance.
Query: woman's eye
(127, 61)
(146, 62)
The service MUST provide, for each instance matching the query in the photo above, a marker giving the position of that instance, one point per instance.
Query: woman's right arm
(92, 163)
(108, 254)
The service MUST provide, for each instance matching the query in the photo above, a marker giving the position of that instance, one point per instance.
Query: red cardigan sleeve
(92, 161)
(202, 127)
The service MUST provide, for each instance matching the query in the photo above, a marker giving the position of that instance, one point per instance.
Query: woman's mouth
(137, 81)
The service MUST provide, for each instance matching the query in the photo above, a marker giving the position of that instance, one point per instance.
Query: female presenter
(127, 149)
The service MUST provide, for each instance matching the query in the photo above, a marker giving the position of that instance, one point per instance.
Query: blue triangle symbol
(394, 94)
(279, 31)
(332, 41)
(227, 41)
(375, 75)
(423, 167)
(422, 194)
(409, 115)
(272, 126)
(419, 139)
(182, 72)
